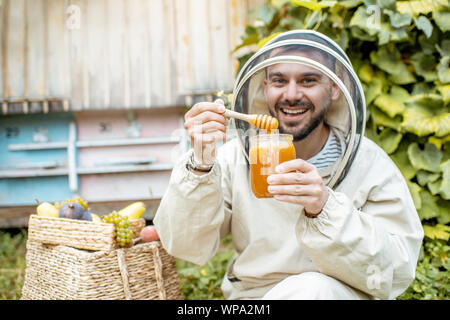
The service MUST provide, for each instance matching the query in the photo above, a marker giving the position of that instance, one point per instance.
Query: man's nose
(293, 92)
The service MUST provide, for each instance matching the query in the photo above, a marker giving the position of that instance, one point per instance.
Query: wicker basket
(77, 233)
(58, 272)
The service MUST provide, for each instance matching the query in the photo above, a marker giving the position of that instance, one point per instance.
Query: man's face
(299, 96)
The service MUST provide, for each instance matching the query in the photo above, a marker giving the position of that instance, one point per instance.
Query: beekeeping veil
(346, 114)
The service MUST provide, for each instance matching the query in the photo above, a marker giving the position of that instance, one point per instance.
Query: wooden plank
(160, 55)
(125, 168)
(3, 39)
(92, 143)
(36, 49)
(96, 42)
(15, 50)
(30, 173)
(138, 53)
(111, 187)
(77, 48)
(115, 34)
(200, 46)
(57, 49)
(37, 146)
(221, 64)
(184, 73)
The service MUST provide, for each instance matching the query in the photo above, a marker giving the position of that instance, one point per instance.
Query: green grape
(124, 232)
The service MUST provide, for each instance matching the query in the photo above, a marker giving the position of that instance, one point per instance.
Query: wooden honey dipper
(261, 121)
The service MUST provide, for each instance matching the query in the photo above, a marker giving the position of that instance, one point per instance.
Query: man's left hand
(299, 182)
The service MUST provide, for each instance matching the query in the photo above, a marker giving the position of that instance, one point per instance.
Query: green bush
(401, 52)
(12, 263)
(203, 282)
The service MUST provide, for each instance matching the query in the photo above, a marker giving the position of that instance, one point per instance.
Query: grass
(203, 282)
(12, 263)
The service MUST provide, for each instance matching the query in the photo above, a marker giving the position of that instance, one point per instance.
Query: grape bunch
(124, 232)
(78, 200)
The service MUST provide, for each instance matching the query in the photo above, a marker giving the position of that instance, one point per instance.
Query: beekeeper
(341, 223)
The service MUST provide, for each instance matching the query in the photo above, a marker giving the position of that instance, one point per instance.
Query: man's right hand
(206, 124)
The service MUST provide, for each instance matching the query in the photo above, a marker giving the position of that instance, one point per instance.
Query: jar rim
(272, 136)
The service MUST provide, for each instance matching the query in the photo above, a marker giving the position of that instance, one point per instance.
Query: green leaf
(429, 100)
(266, 13)
(401, 160)
(381, 119)
(362, 19)
(423, 121)
(416, 7)
(374, 90)
(445, 93)
(425, 65)
(387, 4)
(350, 3)
(443, 124)
(429, 207)
(444, 48)
(444, 70)
(392, 103)
(444, 189)
(434, 186)
(444, 208)
(427, 159)
(424, 177)
(442, 19)
(311, 5)
(279, 3)
(415, 190)
(390, 139)
(252, 39)
(438, 142)
(399, 20)
(438, 231)
(390, 62)
(422, 23)
(366, 73)
(262, 42)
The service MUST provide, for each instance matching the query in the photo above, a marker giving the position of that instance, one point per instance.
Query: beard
(313, 123)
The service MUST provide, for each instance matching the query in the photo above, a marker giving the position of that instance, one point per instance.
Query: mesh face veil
(318, 76)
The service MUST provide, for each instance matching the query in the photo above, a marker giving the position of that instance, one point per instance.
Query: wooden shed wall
(100, 54)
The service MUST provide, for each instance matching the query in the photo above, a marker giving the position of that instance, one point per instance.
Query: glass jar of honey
(266, 152)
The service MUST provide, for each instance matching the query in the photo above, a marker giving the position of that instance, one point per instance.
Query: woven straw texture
(143, 271)
(77, 233)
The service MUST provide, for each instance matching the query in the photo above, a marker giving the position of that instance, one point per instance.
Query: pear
(46, 209)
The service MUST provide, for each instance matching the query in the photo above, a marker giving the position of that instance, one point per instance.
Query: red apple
(149, 233)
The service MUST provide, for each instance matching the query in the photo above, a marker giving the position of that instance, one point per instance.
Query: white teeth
(294, 111)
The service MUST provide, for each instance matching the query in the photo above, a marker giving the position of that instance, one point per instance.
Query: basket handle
(158, 272)
(124, 273)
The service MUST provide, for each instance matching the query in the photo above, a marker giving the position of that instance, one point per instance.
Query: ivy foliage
(400, 50)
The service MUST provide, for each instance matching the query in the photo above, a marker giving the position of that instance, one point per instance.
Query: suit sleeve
(193, 213)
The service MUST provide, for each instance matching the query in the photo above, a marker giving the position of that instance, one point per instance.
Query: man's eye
(278, 81)
(309, 80)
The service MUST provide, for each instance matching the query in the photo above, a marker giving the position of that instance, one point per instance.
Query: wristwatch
(193, 165)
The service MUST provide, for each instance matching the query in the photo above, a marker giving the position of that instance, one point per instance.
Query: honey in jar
(266, 152)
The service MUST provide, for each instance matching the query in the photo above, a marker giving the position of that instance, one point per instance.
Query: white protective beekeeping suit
(364, 244)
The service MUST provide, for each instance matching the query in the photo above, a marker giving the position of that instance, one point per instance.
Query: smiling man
(341, 223)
